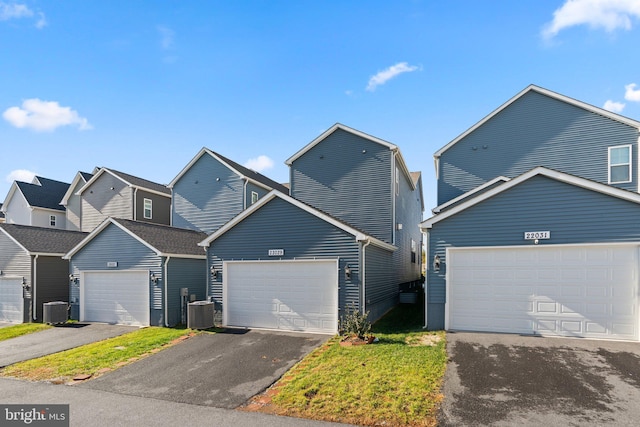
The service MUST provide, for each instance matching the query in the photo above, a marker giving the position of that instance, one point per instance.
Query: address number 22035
(533, 235)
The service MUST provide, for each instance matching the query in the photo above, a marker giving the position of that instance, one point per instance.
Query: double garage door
(120, 297)
(11, 300)
(588, 291)
(284, 295)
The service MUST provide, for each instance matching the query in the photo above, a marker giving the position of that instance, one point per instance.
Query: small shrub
(354, 323)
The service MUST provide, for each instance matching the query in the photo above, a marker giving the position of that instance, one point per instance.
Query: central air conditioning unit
(55, 312)
(200, 315)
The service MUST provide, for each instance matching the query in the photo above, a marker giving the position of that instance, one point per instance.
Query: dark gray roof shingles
(256, 176)
(166, 239)
(44, 240)
(142, 183)
(48, 195)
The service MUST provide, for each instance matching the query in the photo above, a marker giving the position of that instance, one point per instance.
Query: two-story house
(36, 203)
(346, 237)
(537, 229)
(72, 201)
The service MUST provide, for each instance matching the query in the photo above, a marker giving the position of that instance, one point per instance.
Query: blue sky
(141, 86)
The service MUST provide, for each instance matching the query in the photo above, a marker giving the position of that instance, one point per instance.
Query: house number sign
(276, 252)
(537, 235)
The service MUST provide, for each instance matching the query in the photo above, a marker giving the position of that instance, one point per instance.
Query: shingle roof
(86, 176)
(140, 182)
(43, 240)
(47, 195)
(251, 174)
(166, 239)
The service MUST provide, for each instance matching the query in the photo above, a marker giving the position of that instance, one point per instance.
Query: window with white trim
(620, 164)
(254, 197)
(52, 220)
(148, 209)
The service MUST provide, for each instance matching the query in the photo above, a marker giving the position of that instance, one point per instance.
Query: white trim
(463, 196)
(115, 175)
(558, 176)
(554, 95)
(144, 208)
(73, 185)
(609, 165)
(359, 236)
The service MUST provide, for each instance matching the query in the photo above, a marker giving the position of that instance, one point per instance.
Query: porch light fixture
(24, 284)
(214, 272)
(436, 263)
(1, 273)
(72, 279)
(347, 272)
(153, 278)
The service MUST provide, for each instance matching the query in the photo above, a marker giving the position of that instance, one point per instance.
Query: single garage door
(120, 297)
(11, 301)
(286, 295)
(578, 291)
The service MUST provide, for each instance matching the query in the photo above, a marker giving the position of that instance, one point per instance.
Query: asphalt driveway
(58, 338)
(220, 370)
(502, 379)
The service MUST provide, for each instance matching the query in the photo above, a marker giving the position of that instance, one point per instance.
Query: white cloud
(631, 93)
(385, 75)
(20, 175)
(259, 163)
(167, 37)
(614, 107)
(607, 14)
(16, 11)
(44, 116)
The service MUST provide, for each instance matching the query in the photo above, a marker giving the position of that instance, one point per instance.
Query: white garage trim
(587, 291)
(11, 299)
(293, 295)
(120, 297)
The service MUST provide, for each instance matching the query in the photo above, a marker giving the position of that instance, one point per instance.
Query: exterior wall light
(214, 272)
(153, 278)
(436, 263)
(347, 272)
(73, 279)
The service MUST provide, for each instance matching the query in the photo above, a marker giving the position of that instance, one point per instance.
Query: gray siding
(348, 177)
(52, 282)
(161, 208)
(252, 187)
(535, 130)
(74, 209)
(184, 273)
(409, 214)
(281, 225)
(207, 196)
(382, 288)
(572, 215)
(15, 262)
(113, 244)
(99, 201)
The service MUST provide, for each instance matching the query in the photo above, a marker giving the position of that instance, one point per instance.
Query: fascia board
(437, 209)
(184, 170)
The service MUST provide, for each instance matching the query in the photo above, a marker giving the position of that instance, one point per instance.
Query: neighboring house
(536, 231)
(1, 214)
(36, 203)
(212, 189)
(110, 193)
(32, 271)
(281, 264)
(132, 272)
(72, 202)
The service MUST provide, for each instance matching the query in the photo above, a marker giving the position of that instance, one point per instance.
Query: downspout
(244, 194)
(394, 177)
(166, 289)
(34, 307)
(135, 204)
(363, 275)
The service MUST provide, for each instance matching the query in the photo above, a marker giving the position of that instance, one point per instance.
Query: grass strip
(96, 358)
(21, 329)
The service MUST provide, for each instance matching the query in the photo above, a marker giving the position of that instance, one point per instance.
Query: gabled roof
(162, 239)
(242, 171)
(131, 181)
(417, 183)
(41, 240)
(394, 148)
(1, 213)
(534, 88)
(81, 177)
(43, 193)
(538, 171)
(359, 235)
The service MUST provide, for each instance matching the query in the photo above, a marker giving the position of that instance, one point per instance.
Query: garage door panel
(588, 291)
(120, 297)
(11, 300)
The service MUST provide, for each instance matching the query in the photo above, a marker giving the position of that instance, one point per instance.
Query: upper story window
(397, 181)
(254, 197)
(148, 209)
(619, 164)
(52, 220)
(413, 251)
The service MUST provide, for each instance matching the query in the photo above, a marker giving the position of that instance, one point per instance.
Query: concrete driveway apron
(222, 370)
(504, 380)
(58, 338)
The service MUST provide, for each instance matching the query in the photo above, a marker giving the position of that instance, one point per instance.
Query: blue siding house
(133, 272)
(536, 231)
(212, 189)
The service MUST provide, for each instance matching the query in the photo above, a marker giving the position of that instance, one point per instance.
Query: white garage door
(287, 295)
(578, 291)
(11, 301)
(120, 297)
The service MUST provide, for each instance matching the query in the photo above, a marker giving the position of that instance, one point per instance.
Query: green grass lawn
(95, 358)
(21, 329)
(395, 382)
